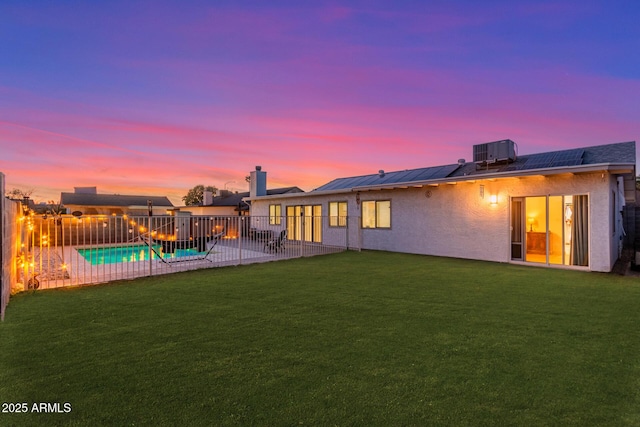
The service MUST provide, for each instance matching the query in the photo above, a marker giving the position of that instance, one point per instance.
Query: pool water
(132, 253)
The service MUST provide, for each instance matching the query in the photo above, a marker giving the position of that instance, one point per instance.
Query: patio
(59, 265)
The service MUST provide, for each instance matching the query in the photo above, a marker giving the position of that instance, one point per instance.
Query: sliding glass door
(311, 217)
(550, 229)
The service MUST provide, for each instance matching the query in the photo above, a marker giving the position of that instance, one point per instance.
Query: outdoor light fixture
(493, 199)
(25, 205)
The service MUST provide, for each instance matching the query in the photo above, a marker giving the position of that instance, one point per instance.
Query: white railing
(68, 251)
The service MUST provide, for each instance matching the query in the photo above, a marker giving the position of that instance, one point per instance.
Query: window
(275, 214)
(337, 214)
(376, 214)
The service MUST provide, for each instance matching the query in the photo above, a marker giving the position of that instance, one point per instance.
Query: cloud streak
(159, 99)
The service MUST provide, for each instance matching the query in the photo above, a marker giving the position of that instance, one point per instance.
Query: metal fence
(63, 250)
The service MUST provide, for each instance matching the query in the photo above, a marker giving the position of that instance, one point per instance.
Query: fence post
(359, 225)
(240, 227)
(150, 207)
(302, 232)
(346, 230)
(3, 274)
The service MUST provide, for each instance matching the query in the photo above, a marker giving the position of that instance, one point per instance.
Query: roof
(409, 175)
(619, 153)
(86, 199)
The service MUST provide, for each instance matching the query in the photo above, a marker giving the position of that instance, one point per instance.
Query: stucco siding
(459, 220)
(448, 220)
(597, 187)
(211, 210)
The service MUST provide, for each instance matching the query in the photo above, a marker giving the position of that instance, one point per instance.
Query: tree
(195, 196)
(17, 194)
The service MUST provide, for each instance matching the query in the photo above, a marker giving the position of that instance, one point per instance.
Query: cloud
(167, 96)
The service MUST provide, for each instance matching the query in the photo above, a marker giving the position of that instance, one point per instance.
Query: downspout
(619, 213)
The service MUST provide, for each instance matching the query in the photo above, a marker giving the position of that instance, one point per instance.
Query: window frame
(376, 214)
(337, 220)
(275, 214)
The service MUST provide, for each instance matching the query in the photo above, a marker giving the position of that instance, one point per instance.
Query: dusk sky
(155, 97)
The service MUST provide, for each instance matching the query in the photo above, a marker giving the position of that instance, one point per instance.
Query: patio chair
(276, 244)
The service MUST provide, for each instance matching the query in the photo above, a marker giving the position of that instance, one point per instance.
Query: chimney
(85, 190)
(207, 198)
(258, 185)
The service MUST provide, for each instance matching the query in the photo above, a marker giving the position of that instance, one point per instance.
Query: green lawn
(369, 338)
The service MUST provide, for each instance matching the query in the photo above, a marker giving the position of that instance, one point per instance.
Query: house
(228, 203)
(87, 201)
(557, 209)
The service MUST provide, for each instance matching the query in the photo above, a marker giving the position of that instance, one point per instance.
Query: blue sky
(154, 97)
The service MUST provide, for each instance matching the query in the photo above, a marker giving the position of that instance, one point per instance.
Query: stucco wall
(211, 210)
(454, 220)
(598, 187)
(9, 229)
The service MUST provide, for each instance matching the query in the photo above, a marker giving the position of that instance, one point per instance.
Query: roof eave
(620, 168)
(602, 167)
(292, 195)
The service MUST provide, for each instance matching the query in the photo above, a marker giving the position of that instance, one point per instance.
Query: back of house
(562, 208)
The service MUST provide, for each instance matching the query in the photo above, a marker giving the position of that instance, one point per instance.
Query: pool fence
(67, 250)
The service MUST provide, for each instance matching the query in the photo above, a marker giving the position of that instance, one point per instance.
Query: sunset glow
(157, 97)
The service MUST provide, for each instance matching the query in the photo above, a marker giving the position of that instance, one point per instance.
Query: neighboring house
(561, 208)
(228, 203)
(87, 201)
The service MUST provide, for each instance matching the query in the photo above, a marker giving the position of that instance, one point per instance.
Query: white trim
(619, 168)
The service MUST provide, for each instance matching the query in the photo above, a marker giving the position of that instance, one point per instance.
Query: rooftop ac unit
(492, 152)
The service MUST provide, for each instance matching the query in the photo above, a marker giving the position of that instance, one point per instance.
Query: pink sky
(155, 98)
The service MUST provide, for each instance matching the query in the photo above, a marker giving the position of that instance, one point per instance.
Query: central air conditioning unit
(493, 152)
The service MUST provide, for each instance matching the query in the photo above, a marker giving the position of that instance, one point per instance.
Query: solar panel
(570, 158)
(414, 174)
(557, 159)
(411, 175)
(538, 161)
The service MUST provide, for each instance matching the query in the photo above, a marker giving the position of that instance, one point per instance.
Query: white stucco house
(556, 209)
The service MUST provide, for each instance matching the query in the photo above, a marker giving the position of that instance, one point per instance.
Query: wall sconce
(493, 199)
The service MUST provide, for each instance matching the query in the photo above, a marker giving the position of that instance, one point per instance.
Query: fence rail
(67, 251)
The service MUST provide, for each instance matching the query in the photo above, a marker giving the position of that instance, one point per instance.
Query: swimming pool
(131, 253)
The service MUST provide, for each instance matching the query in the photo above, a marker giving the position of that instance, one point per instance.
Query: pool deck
(60, 267)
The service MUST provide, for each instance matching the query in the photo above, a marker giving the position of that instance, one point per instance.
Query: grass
(369, 338)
